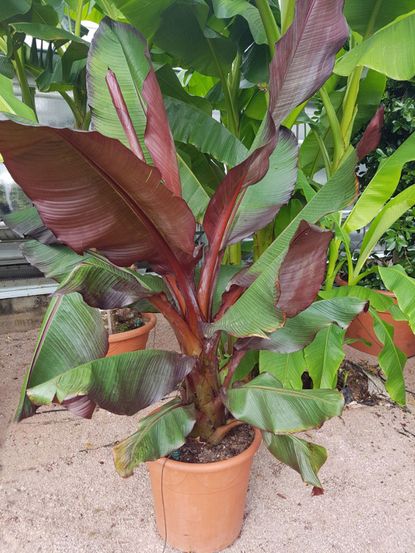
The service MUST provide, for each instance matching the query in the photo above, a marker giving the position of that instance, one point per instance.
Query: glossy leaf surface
(403, 286)
(157, 435)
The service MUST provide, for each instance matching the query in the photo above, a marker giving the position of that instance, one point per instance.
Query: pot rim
(128, 334)
(216, 465)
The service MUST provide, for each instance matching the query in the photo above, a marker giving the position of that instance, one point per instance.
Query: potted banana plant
(107, 204)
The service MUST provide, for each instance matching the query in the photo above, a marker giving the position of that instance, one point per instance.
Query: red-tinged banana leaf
(107, 286)
(71, 334)
(122, 384)
(123, 50)
(264, 306)
(263, 403)
(157, 435)
(372, 135)
(92, 192)
(303, 269)
(304, 457)
(304, 57)
(54, 261)
(299, 331)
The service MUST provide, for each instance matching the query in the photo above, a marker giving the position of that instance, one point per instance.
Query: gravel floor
(59, 492)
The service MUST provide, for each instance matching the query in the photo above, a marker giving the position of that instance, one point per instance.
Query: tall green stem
(334, 127)
(78, 17)
(287, 14)
(22, 78)
(270, 25)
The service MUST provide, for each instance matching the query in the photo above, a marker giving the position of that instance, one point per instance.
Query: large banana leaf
(266, 405)
(285, 367)
(324, 356)
(380, 302)
(10, 104)
(118, 47)
(27, 223)
(381, 187)
(389, 214)
(227, 9)
(273, 295)
(371, 15)
(193, 192)
(403, 286)
(117, 207)
(304, 57)
(299, 331)
(183, 34)
(107, 286)
(389, 51)
(122, 384)
(10, 8)
(71, 334)
(262, 201)
(123, 50)
(143, 14)
(304, 457)
(158, 435)
(391, 359)
(336, 194)
(193, 126)
(53, 261)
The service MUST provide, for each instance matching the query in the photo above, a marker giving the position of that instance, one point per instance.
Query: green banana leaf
(304, 457)
(54, 261)
(158, 435)
(285, 367)
(266, 405)
(389, 51)
(391, 359)
(122, 384)
(10, 104)
(381, 187)
(324, 356)
(47, 32)
(371, 15)
(227, 9)
(10, 8)
(385, 218)
(71, 334)
(403, 286)
(143, 14)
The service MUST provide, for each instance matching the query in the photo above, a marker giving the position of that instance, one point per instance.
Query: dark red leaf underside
(158, 137)
(303, 269)
(372, 135)
(93, 192)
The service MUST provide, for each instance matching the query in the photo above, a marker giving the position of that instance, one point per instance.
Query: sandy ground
(59, 492)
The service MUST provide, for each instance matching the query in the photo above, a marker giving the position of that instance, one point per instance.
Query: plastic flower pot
(132, 340)
(199, 507)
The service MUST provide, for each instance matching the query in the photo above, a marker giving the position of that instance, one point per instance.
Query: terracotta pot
(131, 340)
(201, 505)
(362, 328)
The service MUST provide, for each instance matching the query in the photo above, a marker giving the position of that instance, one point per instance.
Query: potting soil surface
(59, 492)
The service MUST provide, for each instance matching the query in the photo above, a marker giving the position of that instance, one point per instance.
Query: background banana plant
(116, 196)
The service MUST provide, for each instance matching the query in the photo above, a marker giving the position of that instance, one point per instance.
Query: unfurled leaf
(10, 104)
(158, 435)
(304, 457)
(371, 15)
(389, 51)
(10, 8)
(26, 223)
(403, 286)
(391, 359)
(324, 356)
(227, 9)
(372, 135)
(117, 207)
(299, 331)
(285, 367)
(305, 263)
(71, 334)
(122, 384)
(50, 33)
(55, 261)
(381, 187)
(107, 286)
(304, 57)
(266, 405)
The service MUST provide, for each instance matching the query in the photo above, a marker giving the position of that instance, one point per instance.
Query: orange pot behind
(131, 340)
(201, 505)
